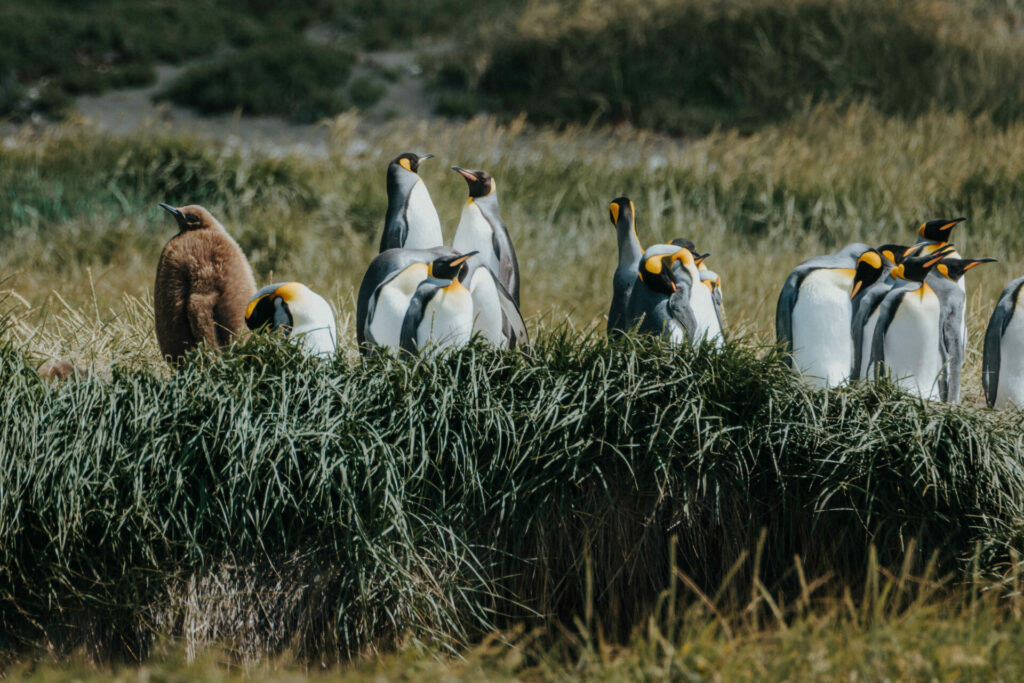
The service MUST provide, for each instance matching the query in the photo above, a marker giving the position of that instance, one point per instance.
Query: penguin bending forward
(1002, 373)
(812, 317)
(302, 314)
(482, 230)
(411, 221)
(203, 284)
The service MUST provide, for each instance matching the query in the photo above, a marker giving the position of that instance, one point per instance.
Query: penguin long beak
(424, 157)
(465, 257)
(179, 217)
(468, 175)
(856, 288)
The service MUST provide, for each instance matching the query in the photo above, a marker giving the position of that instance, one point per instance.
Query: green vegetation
(298, 80)
(437, 499)
(689, 66)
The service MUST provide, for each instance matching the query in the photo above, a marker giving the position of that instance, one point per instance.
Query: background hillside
(582, 509)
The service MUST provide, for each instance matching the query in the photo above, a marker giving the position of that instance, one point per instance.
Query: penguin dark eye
(191, 218)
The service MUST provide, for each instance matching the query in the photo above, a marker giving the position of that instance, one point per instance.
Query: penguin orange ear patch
(404, 163)
(613, 208)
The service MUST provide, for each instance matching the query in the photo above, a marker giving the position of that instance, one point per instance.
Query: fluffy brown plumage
(203, 284)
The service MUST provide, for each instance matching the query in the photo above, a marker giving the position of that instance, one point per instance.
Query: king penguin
(624, 219)
(1002, 373)
(914, 339)
(935, 234)
(496, 316)
(203, 283)
(440, 316)
(656, 306)
(390, 283)
(812, 318)
(411, 221)
(482, 230)
(708, 278)
(302, 314)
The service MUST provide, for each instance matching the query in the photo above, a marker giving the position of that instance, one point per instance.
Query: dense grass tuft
(437, 498)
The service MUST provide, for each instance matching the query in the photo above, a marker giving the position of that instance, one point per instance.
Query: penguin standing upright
(302, 314)
(496, 316)
(440, 316)
(812, 318)
(1002, 373)
(624, 219)
(482, 230)
(411, 221)
(390, 283)
(947, 279)
(916, 337)
(937, 233)
(203, 284)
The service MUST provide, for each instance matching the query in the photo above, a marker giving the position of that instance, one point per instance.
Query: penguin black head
(656, 273)
(869, 269)
(954, 268)
(269, 307)
(621, 208)
(916, 268)
(894, 253)
(410, 162)
(685, 244)
(481, 183)
(940, 229)
(192, 217)
(450, 267)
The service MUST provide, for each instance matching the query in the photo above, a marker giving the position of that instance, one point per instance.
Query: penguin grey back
(997, 324)
(622, 213)
(203, 285)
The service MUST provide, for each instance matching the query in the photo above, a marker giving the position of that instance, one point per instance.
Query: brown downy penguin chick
(57, 369)
(203, 284)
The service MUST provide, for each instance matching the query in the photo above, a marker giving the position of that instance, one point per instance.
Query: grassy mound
(295, 79)
(262, 499)
(688, 66)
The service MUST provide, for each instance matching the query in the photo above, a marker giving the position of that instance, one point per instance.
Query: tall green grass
(694, 65)
(264, 500)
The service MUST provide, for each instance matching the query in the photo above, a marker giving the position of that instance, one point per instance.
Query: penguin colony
(859, 313)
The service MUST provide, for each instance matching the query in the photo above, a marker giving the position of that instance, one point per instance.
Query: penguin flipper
(513, 325)
(414, 314)
(886, 312)
(952, 352)
(784, 314)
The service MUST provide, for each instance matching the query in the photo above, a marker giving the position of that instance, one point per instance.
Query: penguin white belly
(1010, 389)
(912, 345)
(487, 317)
(675, 332)
(317, 335)
(475, 234)
(703, 305)
(391, 305)
(822, 346)
(447, 322)
(865, 343)
(422, 219)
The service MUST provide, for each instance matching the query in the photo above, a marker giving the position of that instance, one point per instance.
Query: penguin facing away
(869, 288)
(302, 314)
(812, 317)
(411, 221)
(623, 218)
(656, 304)
(439, 317)
(390, 283)
(482, 229)
(1002, 373)
(203, 284)
(915, 339)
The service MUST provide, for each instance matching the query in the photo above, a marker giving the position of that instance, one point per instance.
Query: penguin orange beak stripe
(856, 288)
(465, 257)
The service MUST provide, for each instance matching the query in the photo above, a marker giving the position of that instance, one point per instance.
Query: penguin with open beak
(411, 221)
(481, 229)
(389, 284)
(300, 313)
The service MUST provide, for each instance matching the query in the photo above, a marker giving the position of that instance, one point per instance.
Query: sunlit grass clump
(262, 499)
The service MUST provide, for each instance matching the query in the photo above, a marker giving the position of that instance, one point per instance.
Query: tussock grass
(262, 500)
(694, 65)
